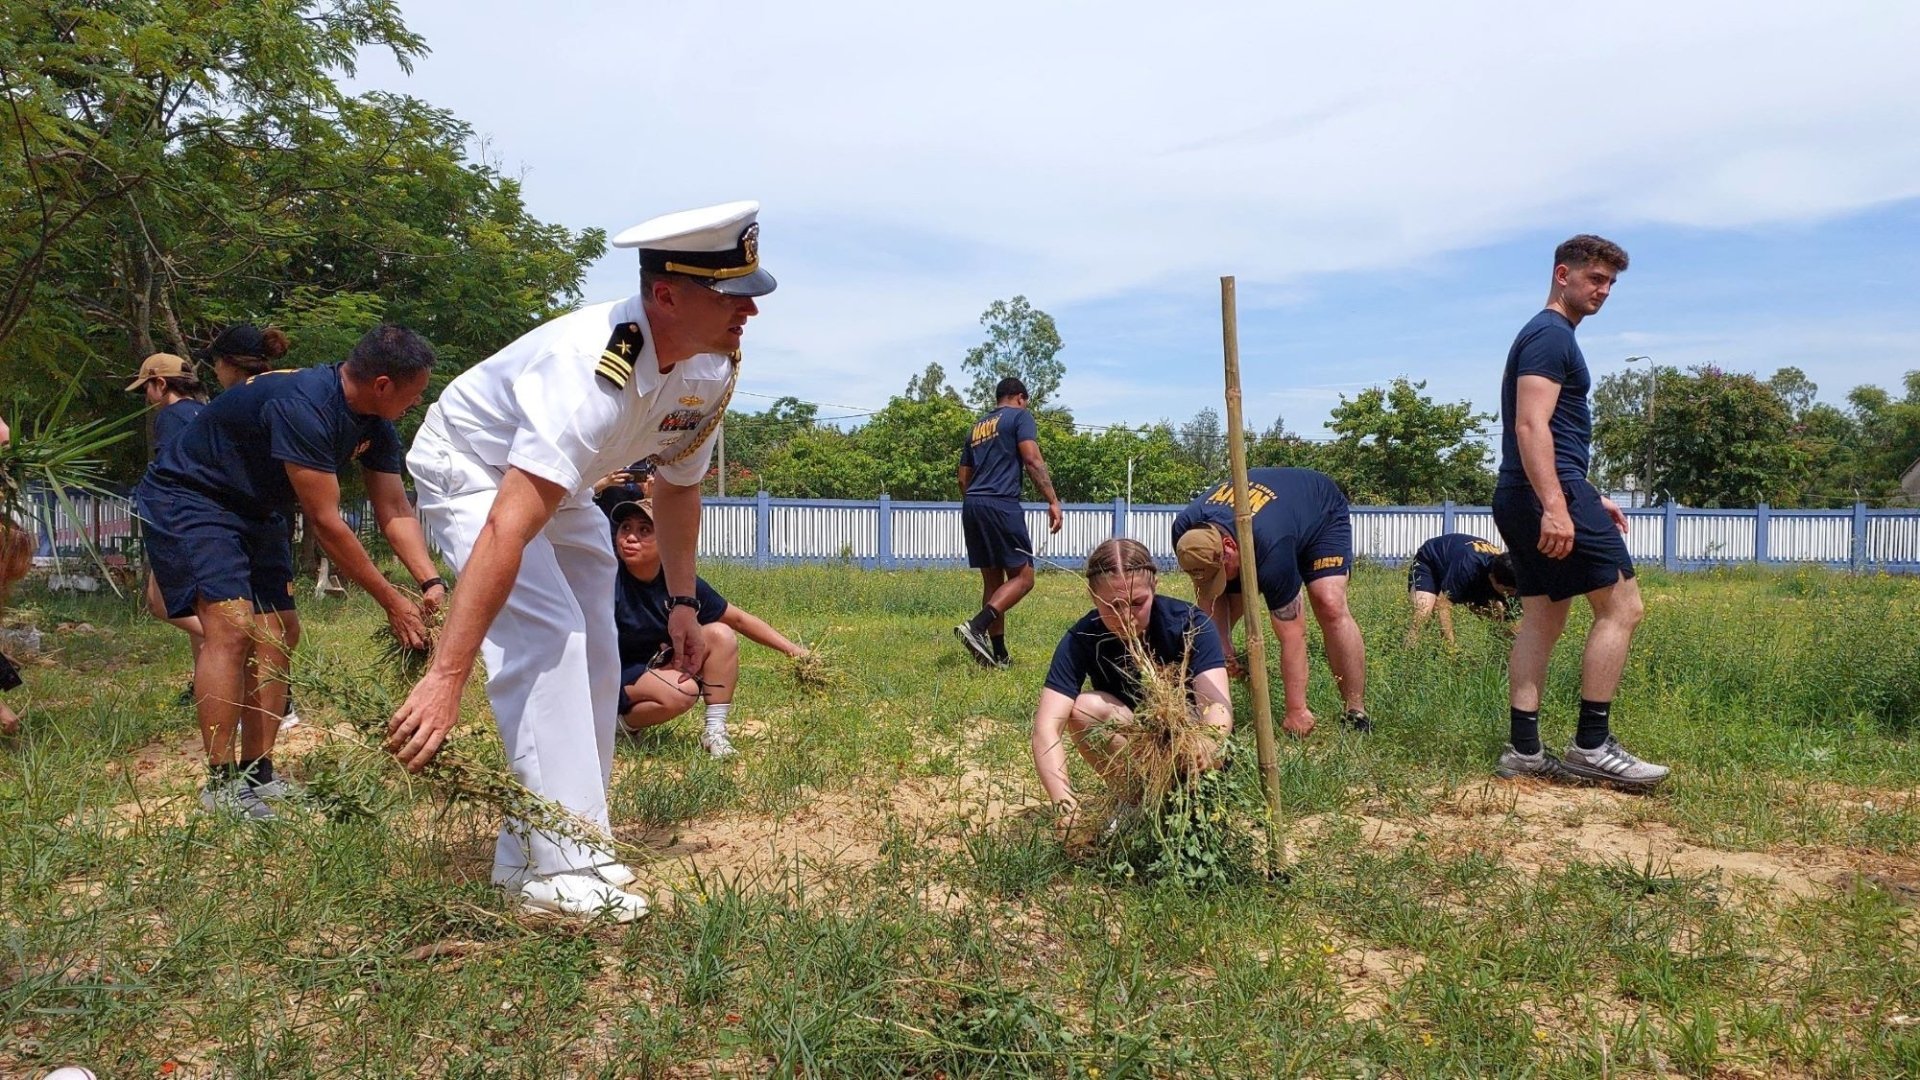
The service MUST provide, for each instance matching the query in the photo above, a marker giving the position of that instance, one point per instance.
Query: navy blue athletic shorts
(996, 531)
(1329, 552)
(1420, 578)
(1599, 557)
(200, 550)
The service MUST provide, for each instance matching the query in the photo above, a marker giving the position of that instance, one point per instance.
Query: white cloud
(1075, 151)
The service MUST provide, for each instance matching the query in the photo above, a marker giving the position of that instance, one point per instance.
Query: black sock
(258, 771)
(1592, 732)
(999, 646)
(1523, 730)
(223, 772)
(979, 623)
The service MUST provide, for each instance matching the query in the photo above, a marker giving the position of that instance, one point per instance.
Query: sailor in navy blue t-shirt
(1303, 542)
(173, 392)
(1457, 568)
(999, 446)
(216, 503)
(1566, 539)
(652, 692)
(1094, 683)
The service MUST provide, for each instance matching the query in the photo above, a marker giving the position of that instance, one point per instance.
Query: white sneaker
(291, 719)
(618, 875)
(715, 742)
(1612, 763)
(581, 896)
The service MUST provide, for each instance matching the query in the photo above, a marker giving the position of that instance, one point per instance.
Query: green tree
(915, 446)
(930, 384)
(1023, 342)
(1203, 443)
(1397, 445)
(823, 463)
(172, 165)
(1723, 439)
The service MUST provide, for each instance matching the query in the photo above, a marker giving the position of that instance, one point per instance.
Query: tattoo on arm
(1288, 613)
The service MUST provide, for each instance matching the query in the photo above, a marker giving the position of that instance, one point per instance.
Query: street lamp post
(1653, 387)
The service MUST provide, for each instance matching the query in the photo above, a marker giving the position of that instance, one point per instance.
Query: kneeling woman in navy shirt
(651, 691)
(1094, 683)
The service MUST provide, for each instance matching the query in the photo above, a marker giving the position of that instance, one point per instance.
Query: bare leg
(1346, 651)
(1533, 643)
(220, 676)
(1422, 611)
(1617, 611)
(991, 579)
(721, 672)
(1017, 585)
(188, 624)
(275, 635)
(658, 696)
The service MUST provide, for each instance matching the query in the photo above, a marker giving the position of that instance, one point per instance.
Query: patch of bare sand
(1536, 826)
(162, 779)
(828, 835)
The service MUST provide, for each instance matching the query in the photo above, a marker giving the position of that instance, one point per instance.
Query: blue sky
(1386, 181)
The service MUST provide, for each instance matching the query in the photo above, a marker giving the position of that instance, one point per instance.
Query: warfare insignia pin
(691, 401)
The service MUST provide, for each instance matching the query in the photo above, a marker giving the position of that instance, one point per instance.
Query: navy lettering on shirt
(993, 452)
(1546, 347)
(1458, 562)
(1290, 506)
(169, 422)
(237, 450)
(640, 613)
(1092, 654)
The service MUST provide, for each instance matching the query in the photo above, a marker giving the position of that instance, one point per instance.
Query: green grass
(362, 939)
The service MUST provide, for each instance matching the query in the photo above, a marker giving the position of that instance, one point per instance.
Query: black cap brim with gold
(719, 246)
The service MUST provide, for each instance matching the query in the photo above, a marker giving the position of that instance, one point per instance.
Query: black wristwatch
(431, 582)
(682, 601)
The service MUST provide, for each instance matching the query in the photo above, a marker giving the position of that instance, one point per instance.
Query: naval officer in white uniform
(504, 464)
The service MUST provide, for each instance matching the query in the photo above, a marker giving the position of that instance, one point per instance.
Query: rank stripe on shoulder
(616, 370)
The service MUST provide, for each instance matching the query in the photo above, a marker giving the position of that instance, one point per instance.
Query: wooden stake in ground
(1249, 577)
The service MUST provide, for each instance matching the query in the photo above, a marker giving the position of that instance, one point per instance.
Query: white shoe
(618, 875)
(582, 896)
(290, 720)
(715, 742)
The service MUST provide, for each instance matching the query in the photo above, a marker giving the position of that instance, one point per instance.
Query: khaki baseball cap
(161, 365)
(1203, 557)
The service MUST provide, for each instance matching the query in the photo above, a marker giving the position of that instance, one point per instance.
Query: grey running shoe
(977, 643)
(1611, 763)
(1358, 721)
(234, 798)
(1540, 765)
(278, 789)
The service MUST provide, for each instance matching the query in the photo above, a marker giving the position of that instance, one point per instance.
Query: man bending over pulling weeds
(1564, 535)
(651, 691)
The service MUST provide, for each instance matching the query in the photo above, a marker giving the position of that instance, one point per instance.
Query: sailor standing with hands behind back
(505, 462)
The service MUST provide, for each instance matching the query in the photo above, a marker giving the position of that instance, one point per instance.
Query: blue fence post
(762, 530)
(1447, 517)
(1119, 516)
(883, 538)
(1762, 517)
(1670, 537)
(1859, 538)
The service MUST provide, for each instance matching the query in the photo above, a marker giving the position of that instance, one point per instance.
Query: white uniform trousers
(552, 654)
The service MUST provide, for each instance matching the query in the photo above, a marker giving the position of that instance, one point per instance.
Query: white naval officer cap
(717, 245)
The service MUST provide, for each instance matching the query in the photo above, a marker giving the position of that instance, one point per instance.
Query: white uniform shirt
(539, 406)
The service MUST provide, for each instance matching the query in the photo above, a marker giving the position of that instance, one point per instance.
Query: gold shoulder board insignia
(616, 360)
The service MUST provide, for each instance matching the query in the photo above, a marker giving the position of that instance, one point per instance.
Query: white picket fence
(885, 534)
